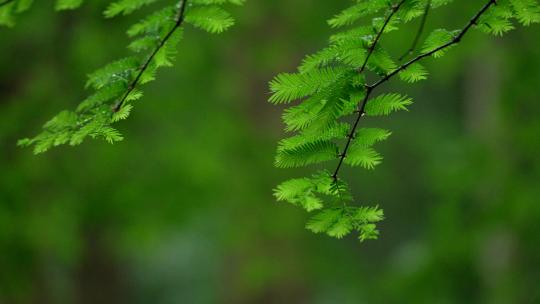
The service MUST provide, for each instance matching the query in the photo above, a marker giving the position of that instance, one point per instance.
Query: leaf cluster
(116, 86)
(329, 88)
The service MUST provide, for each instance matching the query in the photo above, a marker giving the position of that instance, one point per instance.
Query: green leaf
(350, 50)
(364, 215)
(209, 2)
(67, 4)
(366, 137)
(122, 114)
(357, 11)
(368, 232)
(526, 11)
(155, 23)
(341, 227)
(303, 191)
(125, 7)
(365, 157)
(287, 87)
(324, 220)
(306, 137)
(497, 20)
(292, 189)
(381, 62)
(310, 153)
(414, 73)
(118, 71)
(212, 19)
(436, 39)
(386, 104)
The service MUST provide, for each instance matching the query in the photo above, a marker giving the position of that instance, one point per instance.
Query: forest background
(182, 210)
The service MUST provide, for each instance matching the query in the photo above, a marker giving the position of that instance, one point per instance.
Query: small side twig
(178, 22)
(372, 46)
(371, 49)
(419, 33)
(370, 88)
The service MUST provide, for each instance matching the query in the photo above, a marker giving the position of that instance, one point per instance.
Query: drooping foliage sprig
(10, 8)
(117, 85)
(332, 88)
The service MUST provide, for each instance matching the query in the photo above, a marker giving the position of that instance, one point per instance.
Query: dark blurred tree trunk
(482, 92)
(99, 275)
(484, 123)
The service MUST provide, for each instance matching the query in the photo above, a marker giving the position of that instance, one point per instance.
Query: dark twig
(371, 49)
(419, 33)
(350, 136)
(178, 22)
(456, 40)
(370, 88)
(372, 46)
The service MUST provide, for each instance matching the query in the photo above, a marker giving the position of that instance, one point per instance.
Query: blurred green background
(182, 210)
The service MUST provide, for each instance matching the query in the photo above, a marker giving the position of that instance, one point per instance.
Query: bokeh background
(182, 210)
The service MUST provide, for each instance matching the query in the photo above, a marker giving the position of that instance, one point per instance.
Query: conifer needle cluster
(330, 90)
(117, 85)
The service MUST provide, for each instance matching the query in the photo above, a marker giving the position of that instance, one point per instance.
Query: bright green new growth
(117, 85)
(10, 8)
(331, 87)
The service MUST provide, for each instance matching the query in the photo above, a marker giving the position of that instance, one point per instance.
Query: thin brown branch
(419, 33)
(178, 22)
(371, 49)
(456, 40)
(370, 88)
(372, 46)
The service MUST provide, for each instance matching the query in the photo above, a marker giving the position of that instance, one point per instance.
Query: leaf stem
(370, 88)
(456, 40)
(371, 49)
(178, 22)
(418, 33)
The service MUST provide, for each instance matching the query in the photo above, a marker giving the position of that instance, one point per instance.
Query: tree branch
(419, 32)
(456, 40)
(371, 49)
(370, 88)
(178, 22)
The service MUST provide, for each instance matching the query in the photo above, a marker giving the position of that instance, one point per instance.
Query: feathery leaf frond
(117, 84)
(331, 86)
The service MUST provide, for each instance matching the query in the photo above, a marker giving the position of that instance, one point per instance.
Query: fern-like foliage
(330, 87)
(9, 9)
(117, 85)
